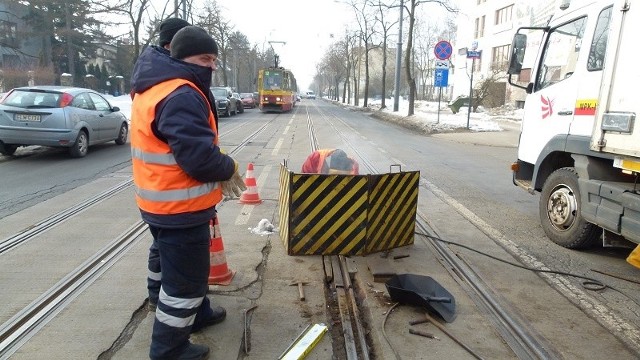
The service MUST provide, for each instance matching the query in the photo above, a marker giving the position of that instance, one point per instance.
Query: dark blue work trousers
(184, 260)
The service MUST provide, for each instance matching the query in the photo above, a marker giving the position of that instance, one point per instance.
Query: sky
(306, 26)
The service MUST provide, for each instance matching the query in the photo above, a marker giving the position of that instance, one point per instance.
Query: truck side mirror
(518, 47)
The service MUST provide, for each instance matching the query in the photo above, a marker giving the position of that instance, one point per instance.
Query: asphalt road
(466, 194)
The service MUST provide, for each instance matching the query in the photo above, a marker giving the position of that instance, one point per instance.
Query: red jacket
(324, 160)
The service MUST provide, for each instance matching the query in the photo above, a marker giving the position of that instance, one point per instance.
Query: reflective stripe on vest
(161, 186)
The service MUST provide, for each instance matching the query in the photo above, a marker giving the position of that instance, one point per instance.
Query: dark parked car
(225, 102)
(248, 101)
(59, 116)
(238, 102)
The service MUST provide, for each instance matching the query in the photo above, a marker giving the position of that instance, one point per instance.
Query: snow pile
(264, 228)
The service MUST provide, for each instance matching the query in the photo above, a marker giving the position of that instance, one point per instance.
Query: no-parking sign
(443, 50)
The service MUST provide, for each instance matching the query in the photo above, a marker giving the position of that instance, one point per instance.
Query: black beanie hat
(192, 40)
(168, 28)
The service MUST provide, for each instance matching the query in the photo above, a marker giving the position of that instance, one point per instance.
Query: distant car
(59, 116)
(225, 102)
(256, 97)
(310, 95)
(238, 102)
(248, 101)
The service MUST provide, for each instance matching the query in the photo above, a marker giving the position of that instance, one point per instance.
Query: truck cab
(577, 130)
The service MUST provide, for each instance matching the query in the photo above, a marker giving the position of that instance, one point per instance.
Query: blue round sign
(443, 50)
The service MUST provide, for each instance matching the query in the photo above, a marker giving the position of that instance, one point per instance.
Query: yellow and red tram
(277, 89)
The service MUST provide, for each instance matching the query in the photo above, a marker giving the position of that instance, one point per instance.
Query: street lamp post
(396, 95)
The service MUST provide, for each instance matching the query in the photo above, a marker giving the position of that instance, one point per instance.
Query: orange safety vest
(161, 186)
(316, 162)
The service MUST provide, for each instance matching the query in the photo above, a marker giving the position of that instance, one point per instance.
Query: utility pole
(473, 64)
(396, 93)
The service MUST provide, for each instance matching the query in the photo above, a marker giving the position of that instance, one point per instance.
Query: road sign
(474, 54)
(441, 77)
(443, 50)
(442, 64)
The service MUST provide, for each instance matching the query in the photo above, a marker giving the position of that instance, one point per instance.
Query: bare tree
(220, 28)
(365, 19)
(385, 26)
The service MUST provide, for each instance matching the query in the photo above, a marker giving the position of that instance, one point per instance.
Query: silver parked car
(59, 116)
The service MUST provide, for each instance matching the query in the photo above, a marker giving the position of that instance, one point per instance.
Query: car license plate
(27, 117)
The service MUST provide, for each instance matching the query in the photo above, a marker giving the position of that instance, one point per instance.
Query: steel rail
(22, 326)
(51, 221)
(341, 286)
(523, 343)
(46, 224)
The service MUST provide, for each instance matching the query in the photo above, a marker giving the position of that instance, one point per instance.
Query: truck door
(549, 109)
(590, 82)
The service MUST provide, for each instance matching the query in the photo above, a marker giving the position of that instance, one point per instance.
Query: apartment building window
(504, 15)
(479, 30)
(500, 57)
(477, 65)
(8, 32)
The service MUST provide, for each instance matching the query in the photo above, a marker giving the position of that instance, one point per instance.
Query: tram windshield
(272, 80)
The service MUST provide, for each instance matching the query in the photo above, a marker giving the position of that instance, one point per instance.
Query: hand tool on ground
(437, 324)
(305, 342)
(300, 288)
(423, 333)
(247, 330)
(423, 291)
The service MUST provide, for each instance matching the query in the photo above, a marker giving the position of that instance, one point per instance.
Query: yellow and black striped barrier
(347, 214)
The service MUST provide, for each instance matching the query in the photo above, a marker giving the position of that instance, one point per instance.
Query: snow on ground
(425, 118)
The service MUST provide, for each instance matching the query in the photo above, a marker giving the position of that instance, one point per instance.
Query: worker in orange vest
(330, 161)
(179, 174)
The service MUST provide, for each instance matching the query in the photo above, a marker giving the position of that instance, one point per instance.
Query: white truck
(579, 145)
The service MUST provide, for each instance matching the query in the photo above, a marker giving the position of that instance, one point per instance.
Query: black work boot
(218, 314)
(195, 352)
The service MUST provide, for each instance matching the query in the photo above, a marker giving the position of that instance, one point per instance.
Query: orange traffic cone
(219, 273)
(250, 196)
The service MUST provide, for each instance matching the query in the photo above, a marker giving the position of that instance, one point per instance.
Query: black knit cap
(168, 28)
(192, 40)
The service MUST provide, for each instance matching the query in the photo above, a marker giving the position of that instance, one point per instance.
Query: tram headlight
(278, 99)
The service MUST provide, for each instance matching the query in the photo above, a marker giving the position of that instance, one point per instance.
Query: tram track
(30, 319)
(523, 342)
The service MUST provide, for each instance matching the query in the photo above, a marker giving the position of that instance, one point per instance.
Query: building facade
(22, 53)
(486, 27)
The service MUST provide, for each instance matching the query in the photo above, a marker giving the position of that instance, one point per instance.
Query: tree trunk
(407, 59)
(71, 59)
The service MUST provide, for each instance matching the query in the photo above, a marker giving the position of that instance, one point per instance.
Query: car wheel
(7, 150)
(81, 146)
(122, 134)
(560, 213)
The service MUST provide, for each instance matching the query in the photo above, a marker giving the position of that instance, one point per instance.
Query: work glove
(235, 185)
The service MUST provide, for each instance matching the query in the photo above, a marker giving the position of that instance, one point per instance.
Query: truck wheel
(560, 212)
